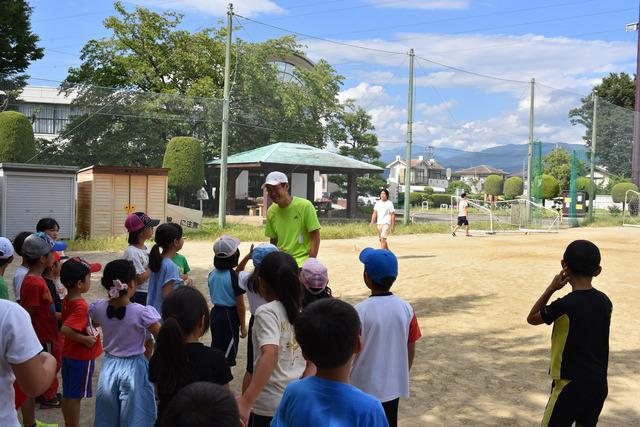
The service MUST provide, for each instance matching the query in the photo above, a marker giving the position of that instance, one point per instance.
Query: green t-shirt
(291, 227)
(181, 262)
(4, 292)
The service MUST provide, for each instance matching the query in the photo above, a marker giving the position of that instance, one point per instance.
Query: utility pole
(635, 154)
(594, 136)
(530, 156)
(407, 169)
(222, 201)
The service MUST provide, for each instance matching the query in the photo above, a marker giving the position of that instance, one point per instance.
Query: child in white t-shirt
(389, 333)
(278, 359)
(23, 268)
(140, 228)
(384, 215)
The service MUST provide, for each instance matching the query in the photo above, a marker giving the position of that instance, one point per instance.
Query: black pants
(225, 331)
(250, 346)
(140, 298)
(579, 401)
(391, 411)
(259, 421)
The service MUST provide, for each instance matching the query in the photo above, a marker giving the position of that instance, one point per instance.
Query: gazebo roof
(300, 157)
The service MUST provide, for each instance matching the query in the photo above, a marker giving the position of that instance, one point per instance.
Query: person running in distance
(384, 215)
(463, 214)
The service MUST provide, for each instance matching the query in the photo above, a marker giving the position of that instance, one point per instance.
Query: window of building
(47, 118)
(419, 176)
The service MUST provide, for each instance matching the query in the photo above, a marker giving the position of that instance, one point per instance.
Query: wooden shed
(107, 194)
(30, 192)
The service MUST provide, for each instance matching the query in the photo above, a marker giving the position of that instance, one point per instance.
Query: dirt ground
(479, 363)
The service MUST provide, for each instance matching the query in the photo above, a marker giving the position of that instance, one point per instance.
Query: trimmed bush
(493, 185)
(584, 184)
(17, 143)
(513, 187)
(438, 199)
(550, 187)
(619, 190)
(453, 185)
(183, 156)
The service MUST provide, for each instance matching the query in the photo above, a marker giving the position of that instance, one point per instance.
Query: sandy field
(479, 363)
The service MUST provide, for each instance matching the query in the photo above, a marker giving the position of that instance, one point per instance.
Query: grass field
(479, 363)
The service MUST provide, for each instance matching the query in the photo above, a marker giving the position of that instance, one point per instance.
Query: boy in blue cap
(389, 333)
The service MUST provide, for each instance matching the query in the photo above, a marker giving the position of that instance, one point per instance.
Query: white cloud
(219, 7)
(422, 4)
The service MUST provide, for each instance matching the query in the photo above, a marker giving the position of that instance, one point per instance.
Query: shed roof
(28, 167)
(481, 170)
(124, 170)
(288, 156)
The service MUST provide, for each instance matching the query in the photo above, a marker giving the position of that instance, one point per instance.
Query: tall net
(631, 209)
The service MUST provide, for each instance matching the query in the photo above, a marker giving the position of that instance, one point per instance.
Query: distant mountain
(506, 157)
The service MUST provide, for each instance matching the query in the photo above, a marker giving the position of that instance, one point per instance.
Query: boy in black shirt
(579, 341)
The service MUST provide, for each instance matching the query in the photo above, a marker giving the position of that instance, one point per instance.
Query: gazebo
(302, 164)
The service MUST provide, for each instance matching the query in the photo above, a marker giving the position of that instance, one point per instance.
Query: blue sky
(568, 46)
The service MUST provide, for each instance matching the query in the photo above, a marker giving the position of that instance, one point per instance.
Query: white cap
(226, 246)
(6, 248)
(275, 178)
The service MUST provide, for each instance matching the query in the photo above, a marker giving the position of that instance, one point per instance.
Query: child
(463, 215)
(249, 283)
(183, 266)
(82, 344)
(198, 404)
(23, 268)
(228, 312)
(51, 276)
(21, 360)
(579, 341)
(140, 228)
(38, 249)
(49, 226)
(164, 272)
(314, 278)
(277, 356)
(389, 334)
(328, 332)
(180, 359)
(6, 257)
(125, 396)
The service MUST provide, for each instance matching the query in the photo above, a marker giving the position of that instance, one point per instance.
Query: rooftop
(481, 170)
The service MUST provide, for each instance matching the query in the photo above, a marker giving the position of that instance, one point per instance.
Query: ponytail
(280, 273)
(166, 234)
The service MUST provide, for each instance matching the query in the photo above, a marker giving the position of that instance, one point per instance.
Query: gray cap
(40, 244)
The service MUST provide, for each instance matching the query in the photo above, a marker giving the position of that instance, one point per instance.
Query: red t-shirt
(75, 315)
(414, 329)
(36, 298)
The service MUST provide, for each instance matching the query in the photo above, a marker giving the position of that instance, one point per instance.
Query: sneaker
(50, 403)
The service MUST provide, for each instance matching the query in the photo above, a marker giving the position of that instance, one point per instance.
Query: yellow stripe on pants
(558, 385)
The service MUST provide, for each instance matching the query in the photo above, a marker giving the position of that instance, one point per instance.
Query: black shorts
(577, 401)
(462, 220)
(250, 346)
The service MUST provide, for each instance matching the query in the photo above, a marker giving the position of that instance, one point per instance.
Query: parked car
(367, 200)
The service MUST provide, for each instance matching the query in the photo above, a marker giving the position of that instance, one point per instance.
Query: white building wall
(299, 185)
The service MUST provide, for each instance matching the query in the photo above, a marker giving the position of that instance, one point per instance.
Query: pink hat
(139, 220)
(313, 275)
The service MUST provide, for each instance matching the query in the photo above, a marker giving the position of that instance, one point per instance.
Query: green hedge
(584, 184)
(493, 185)
(513, 187)
(17, 143)
(619, 190)
(438, 199)
(183, 156)
(550, 187)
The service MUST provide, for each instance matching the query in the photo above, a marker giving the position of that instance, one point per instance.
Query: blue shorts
(76, 378)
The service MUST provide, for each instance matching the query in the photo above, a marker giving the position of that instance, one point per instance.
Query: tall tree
(354, 137)
(558, 164)
(18, 48)
(616, 97)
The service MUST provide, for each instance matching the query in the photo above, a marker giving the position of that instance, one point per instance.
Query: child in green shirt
(6, 257)
(183, 267)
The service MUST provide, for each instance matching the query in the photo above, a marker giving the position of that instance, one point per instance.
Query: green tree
(513, 187)
(17, 143)
(619, 191)
(354, 135)
(184, 159)
(615, 125)
(584, 184)
(550, 187)
(18, 49)
(558, 164)
(493, 185)
(454, 185)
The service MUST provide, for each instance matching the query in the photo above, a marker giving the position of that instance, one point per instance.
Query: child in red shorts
(82, 342)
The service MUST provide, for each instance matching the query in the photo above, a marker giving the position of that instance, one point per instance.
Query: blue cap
(379, 263)
(261, 251)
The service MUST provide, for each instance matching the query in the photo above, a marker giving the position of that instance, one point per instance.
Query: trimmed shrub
(513, 187)
(584, 184)
(439, 199)
(619, 190)
(453, 185)
(493, 185)
(17, 143)
(550, 187)
(183, 156)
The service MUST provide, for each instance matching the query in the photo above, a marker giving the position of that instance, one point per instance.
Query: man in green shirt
(6, 256)
(292, 222)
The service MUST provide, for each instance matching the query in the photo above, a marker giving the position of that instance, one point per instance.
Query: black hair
(119, 269)
(165, 235)
(6, 261)
(463, 195)
(385, 191)
(202, 404)
(134, 236)
(33, 261)
(582, 258)
(182, 312)
(19, 240)
(47, 224)
(279, 271)
(327, 332)
(384, 284)
(309, 297)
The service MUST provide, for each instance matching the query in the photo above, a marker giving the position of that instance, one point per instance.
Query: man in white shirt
(384, 215)
(463, 213)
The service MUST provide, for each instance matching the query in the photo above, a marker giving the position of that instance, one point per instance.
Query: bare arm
(36, 374)
(154, 329)
(261, 374)
(242, 265)
(86, 340)
(534, 317)
(167, 288)
(315, 243)
(393, 220)
(141, 278)
(411, 347)
(240, 307)
(374, 215)
(309, 370)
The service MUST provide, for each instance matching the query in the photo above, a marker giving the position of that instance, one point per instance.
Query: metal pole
(594, 136)
(635, 154)
(530, 156)
(407, 170)
(222, 201)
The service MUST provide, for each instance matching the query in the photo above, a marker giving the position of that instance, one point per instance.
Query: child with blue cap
(389, 333)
